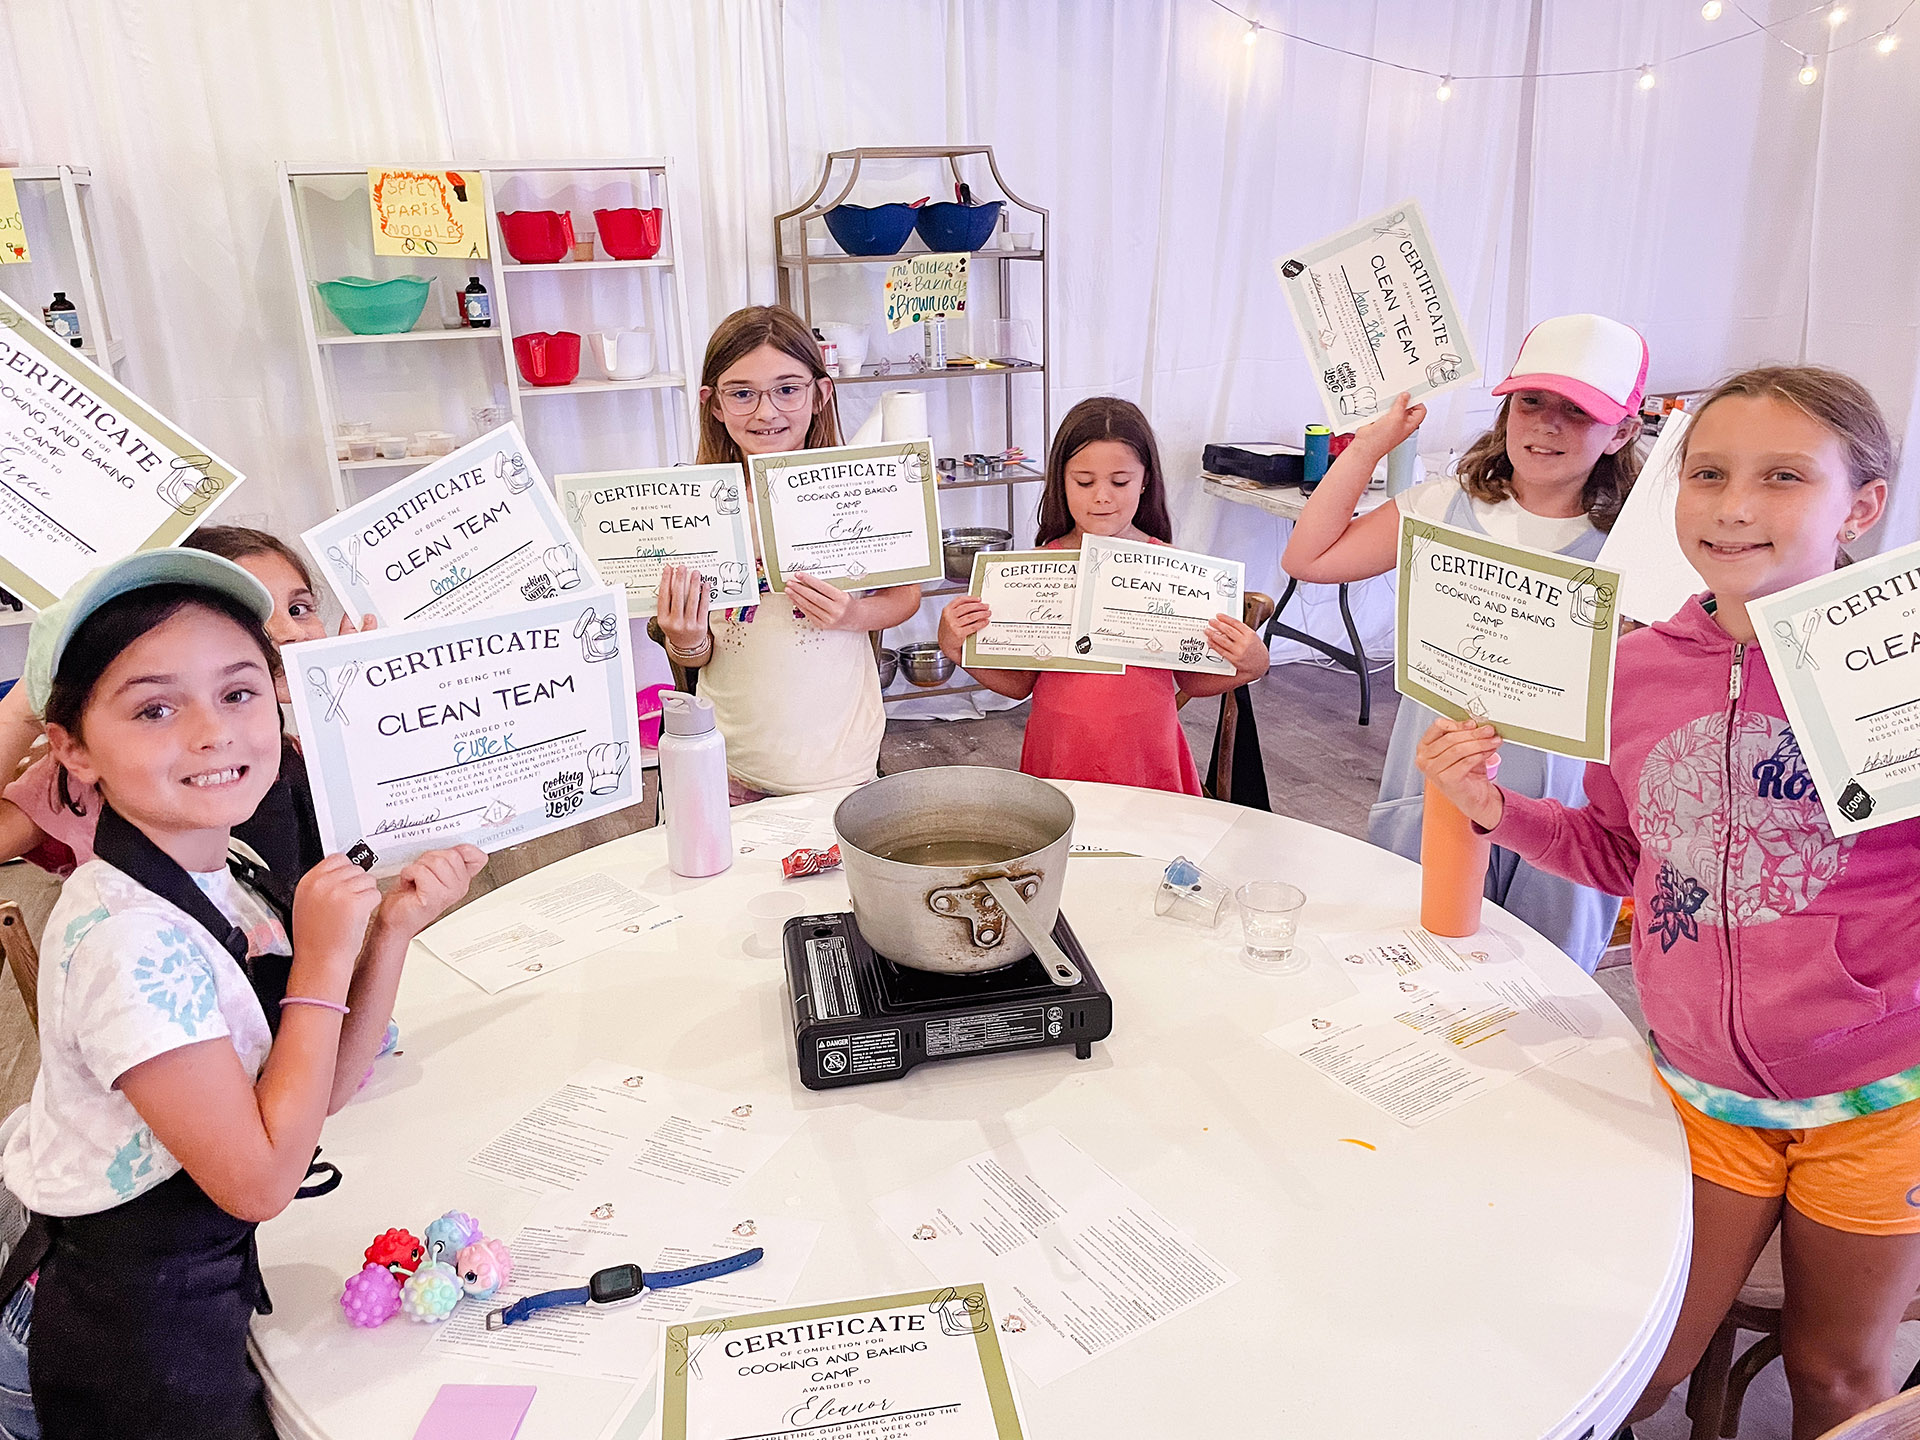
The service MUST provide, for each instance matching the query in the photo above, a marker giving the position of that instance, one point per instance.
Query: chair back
(22, 955)
(1895, 1419)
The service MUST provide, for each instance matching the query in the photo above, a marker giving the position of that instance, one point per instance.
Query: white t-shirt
(126, 976)
(1507, 521)
(799, 706)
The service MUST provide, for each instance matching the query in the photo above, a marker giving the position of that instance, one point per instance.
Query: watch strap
(529, 1305)
(694, 1274)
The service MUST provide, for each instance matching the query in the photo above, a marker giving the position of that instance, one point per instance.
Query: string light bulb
(1445, 90)
(1888, 42)
(1646, 77)
(1836, 15)
(1711, 10)
(1252, 37)
(1808, 71)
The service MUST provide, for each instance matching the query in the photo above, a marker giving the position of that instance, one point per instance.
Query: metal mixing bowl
(924, 665)
(889, 667)
(959, 544)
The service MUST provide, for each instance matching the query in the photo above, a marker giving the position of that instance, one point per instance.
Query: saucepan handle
(1061, 970)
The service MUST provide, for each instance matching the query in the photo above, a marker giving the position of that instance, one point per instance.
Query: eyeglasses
(743, 400)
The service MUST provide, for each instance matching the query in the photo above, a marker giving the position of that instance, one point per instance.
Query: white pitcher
(623, 354)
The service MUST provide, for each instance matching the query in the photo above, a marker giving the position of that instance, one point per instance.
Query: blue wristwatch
(618, 1283)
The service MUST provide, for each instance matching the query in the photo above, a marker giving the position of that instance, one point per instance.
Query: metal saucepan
(976, 849)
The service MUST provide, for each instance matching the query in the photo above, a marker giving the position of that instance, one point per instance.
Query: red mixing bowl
(537, 237)
(629, 234)
(548, 357)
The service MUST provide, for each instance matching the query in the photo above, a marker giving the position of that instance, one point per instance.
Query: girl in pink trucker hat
(1551, 475)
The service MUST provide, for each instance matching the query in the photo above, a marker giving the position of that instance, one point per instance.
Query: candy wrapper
(810, 862)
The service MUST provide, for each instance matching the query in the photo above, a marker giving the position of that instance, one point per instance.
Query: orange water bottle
(1453, 868)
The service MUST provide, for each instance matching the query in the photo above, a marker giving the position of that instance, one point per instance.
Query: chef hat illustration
(564, 564)
(605, 765)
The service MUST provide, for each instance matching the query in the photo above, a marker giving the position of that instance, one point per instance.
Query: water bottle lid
(684, 714)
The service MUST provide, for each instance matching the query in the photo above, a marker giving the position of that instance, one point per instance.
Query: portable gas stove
(859, 1017)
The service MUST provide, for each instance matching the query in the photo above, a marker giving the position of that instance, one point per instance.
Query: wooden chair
(1255, 609)
(22, 956)
(1720, 1380)
(1895, 1419)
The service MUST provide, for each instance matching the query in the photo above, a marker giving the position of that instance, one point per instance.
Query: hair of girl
(739, 335)
(1487, 473)
(110, 630)
(236, 542)
(1103, 417)
(1837, 402)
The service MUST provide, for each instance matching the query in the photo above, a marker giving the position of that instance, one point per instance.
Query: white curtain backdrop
(1730, 213)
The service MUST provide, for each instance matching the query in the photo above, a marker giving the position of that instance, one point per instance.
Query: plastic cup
(1270, 926)
(769, 914)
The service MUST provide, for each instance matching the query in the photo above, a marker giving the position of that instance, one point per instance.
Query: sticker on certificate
(474, 533)
(88, 473)
(859, 517)
(1140, 604)
(1519, 639)
(630, 523)
(488, 730)
(1029, 594)
(1845, 655)
(1376, 315)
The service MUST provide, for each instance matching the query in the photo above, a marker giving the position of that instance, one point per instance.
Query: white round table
(1510, 1269)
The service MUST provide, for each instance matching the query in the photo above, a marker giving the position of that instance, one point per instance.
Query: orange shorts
(1861, 1175)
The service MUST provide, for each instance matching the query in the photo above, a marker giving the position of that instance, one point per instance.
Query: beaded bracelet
(316, 1002)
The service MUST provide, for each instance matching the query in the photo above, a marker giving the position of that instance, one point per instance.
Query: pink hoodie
(1771, 958)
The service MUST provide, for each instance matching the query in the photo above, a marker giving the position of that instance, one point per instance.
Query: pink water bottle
(693, 786)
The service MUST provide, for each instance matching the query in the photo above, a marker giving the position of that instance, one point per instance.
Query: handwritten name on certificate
(923, 1366)
(87, 473)
(858, 517)
(1845, 653)
(489, 730)
(1030, 596)
(475, 533)
(1376, 315)
(1517, 638)
(1150, 605)
(632, 522)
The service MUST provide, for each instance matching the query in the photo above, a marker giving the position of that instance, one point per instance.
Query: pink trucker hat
(1597, 363)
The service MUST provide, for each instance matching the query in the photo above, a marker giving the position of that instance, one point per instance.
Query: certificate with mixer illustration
(87, 473)
(1845, 652)
(487, 730)
(1150, 605)
(1030, 595)
(630, 523)
(1520, 639)
(922, 1366)
(858, 517)
(474, 533)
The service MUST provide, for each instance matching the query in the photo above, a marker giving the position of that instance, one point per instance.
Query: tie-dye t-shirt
(126, 976)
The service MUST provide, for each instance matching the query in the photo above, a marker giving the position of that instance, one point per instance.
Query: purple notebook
(476, 1412)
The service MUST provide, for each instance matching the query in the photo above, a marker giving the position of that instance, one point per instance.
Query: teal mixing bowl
(376, 307)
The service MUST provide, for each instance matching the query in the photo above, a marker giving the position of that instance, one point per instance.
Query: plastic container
(376, 307)
(870, 230)
(537, 237)
(948, 226)
(1453, 868)
(693, 787)
(1270, 924)
(629, 234)
(548, 357)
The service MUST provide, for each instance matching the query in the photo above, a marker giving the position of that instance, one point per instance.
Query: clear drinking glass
(1270, 923)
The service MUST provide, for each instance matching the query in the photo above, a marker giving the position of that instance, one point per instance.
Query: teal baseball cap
(55, 626)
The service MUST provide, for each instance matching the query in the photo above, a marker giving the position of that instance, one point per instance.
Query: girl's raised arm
(1329, 545)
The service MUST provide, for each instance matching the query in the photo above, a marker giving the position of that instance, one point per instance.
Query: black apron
(140, 1314)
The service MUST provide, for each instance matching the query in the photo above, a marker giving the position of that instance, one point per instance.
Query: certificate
(87, 473)
(859, 517)
(925, 1366)
(474, 533)
(1845, 654)
(1030, 593)
(489, 730)
(1375, 313)
(1517, 638)
(631, 522)
(1150, 604)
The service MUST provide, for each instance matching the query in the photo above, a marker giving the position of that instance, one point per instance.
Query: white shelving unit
(433, 376)
(56, 206)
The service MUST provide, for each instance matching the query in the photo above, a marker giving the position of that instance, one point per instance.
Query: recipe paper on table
(473, 533)
(922, 1366)
(630, 523)
(1519, 639)
(1139, 604)
(1376, 316)
(1078, 1262)
(1030, 596)
(88, 473)
(485, 729)
(1845, 653)
(859, 517)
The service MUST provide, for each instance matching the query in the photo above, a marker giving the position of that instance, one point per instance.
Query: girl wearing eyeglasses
(794, 687)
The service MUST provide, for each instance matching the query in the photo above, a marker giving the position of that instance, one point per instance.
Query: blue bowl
(376, 307)
(875, 230)
(949, 227)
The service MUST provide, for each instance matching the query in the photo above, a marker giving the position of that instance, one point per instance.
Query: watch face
(621, 1282)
